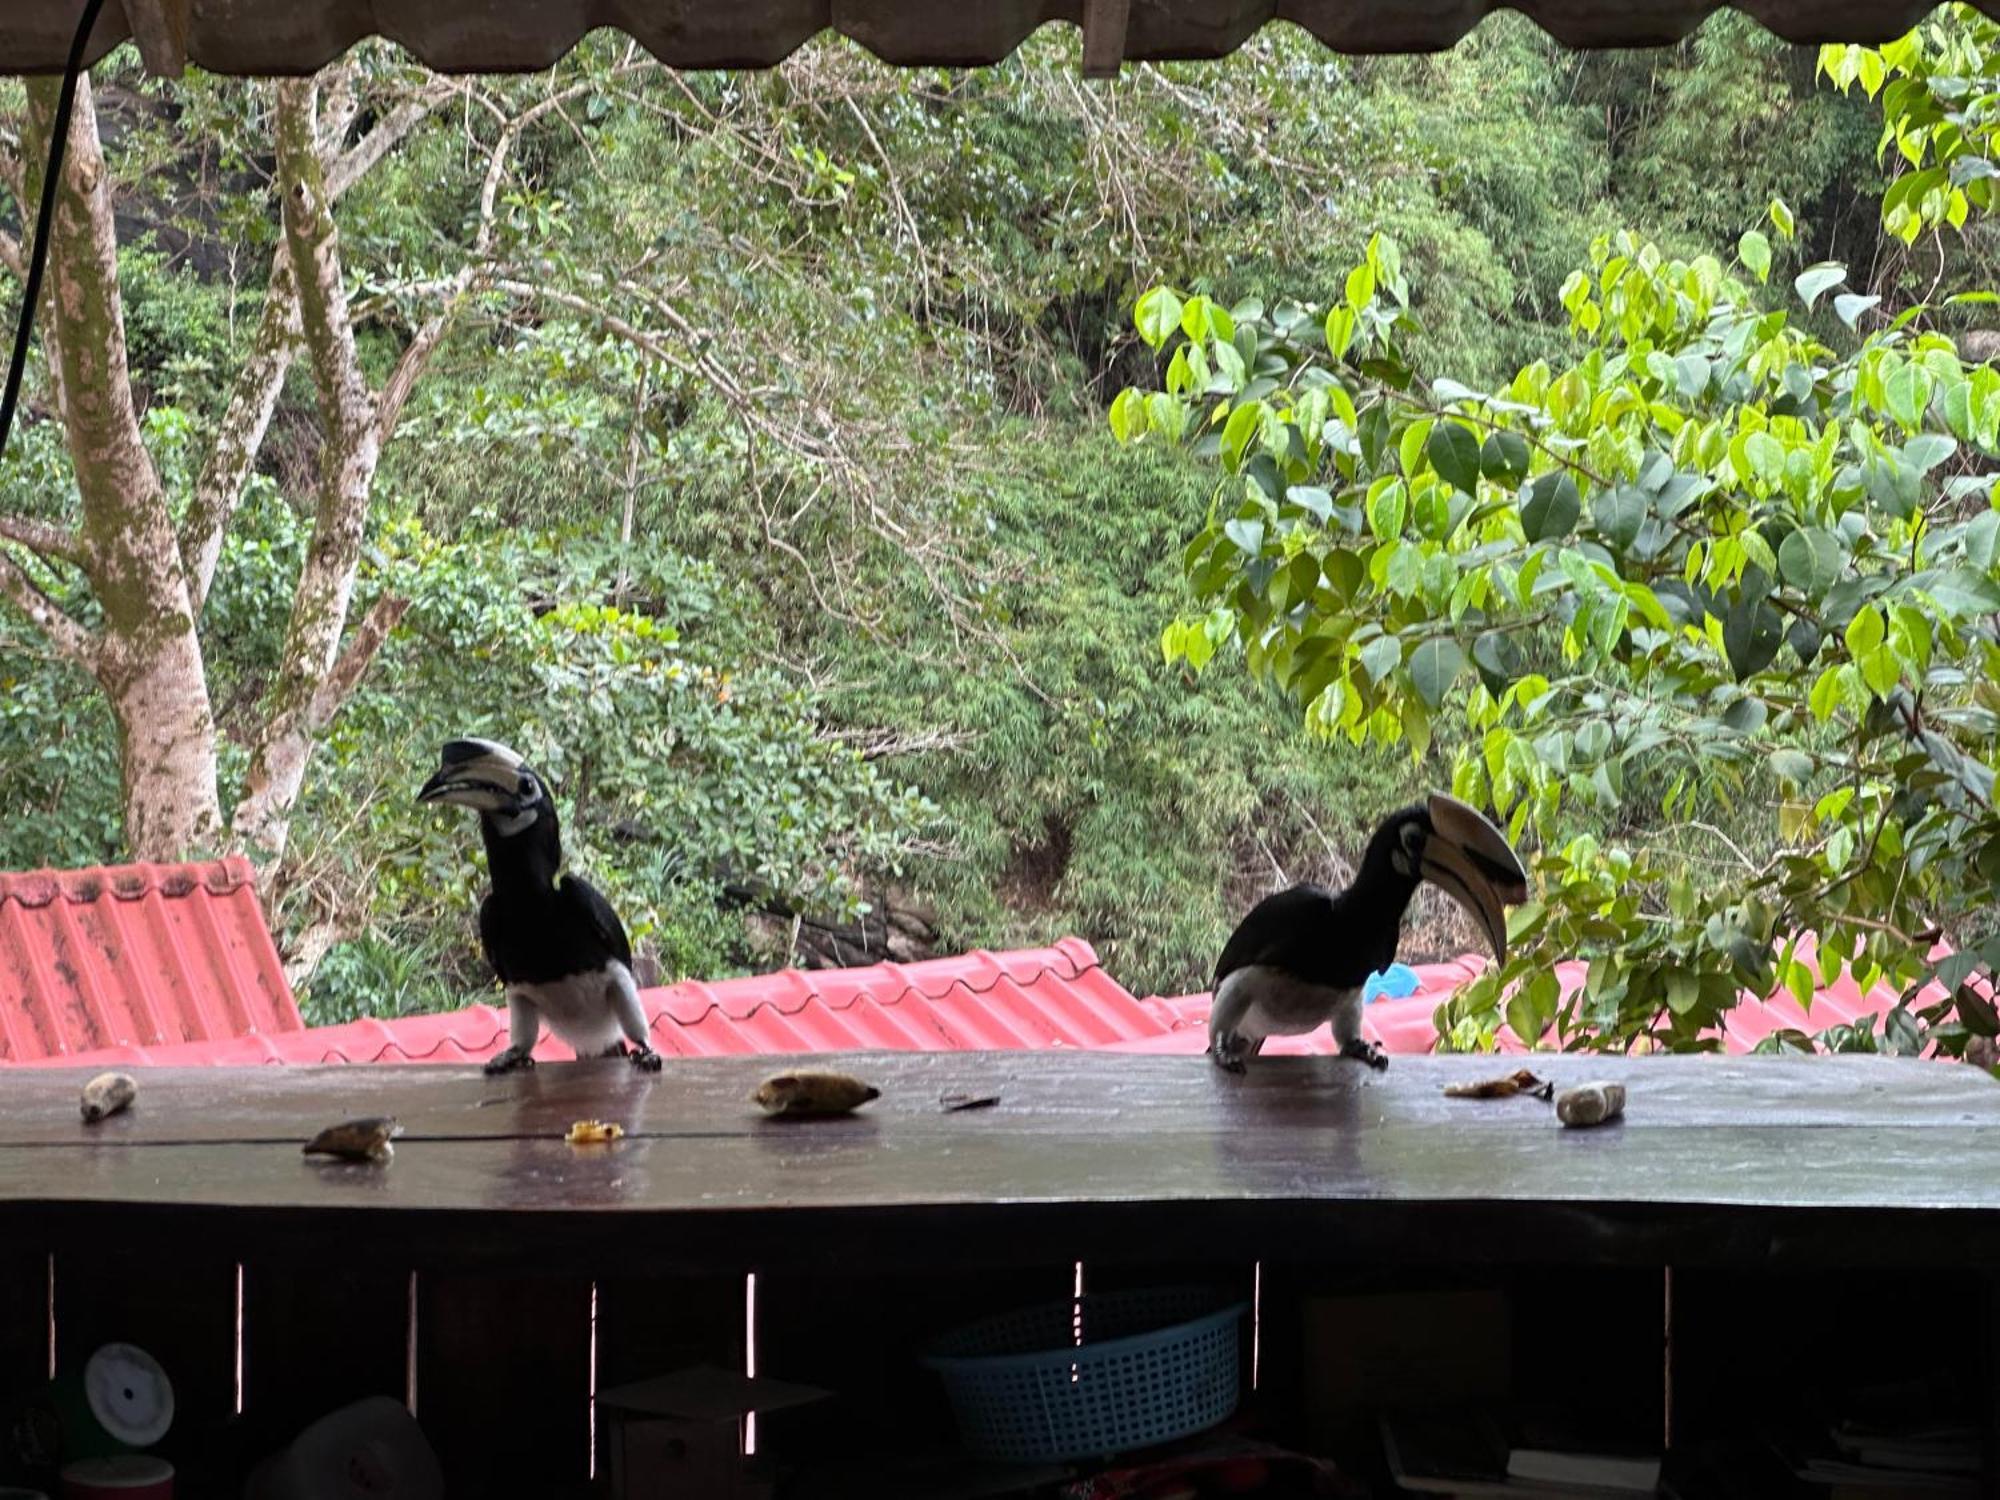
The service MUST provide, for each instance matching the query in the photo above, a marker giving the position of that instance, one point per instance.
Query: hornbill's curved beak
(1471, 861)
(480, 774)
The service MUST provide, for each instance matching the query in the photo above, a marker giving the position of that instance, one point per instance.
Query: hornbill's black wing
(1279, 930)
(492, 941)
(591, 908)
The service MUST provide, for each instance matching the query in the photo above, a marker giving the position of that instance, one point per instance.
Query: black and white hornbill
(1302, 955)
(556, 944)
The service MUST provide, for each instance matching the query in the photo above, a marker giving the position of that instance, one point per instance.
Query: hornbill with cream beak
(556, 944)
(1302, 955)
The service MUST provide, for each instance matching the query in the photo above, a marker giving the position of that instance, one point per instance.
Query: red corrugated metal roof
(1036, 999)
(135, 955)
(1022, 1001)
(1405, 1025)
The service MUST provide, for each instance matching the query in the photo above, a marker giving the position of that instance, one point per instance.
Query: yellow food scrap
(592, 1132)
(808, 1094)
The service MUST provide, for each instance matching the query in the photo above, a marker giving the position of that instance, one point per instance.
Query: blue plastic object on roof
(1397, 982)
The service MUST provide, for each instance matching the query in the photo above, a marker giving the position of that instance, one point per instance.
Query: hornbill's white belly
(1262, 1001)
(581, 1008)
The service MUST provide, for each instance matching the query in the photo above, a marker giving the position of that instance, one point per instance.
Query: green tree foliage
(1937, 87)
(1704, 548)
(830, 348)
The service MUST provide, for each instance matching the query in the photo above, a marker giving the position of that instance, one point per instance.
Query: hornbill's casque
(556, 944)
(1302, 955)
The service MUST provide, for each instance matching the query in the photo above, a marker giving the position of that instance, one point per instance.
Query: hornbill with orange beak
(1301, 956)
(556, 944)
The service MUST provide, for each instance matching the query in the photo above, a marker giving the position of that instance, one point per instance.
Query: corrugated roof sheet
(297, 36)
(135, 956)
(1009, 1002)
(1405, 1025)
(1004, 1002)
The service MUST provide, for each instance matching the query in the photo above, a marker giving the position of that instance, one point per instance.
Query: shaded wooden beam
(161, 28)
(1104, 37)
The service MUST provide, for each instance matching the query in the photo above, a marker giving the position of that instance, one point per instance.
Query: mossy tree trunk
(148, 578)
(145, 652)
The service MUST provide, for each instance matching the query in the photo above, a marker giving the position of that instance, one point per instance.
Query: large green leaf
(1849, 306)
(1961, 592)
(1158, 315)
(1504, 457)
(1752, 631)
(1382, 656)
(1552, 507)
(1620, 513)
(1454, 453)
(1793, 766)
(1313, 500)
(1755, 252)
(1927, 450)
(1340, 326)
(1810, 560)
(1864, 632)
(1248, 535)
(1497, 658)
(1816, 281)
(1434, 666)
(1909, 392)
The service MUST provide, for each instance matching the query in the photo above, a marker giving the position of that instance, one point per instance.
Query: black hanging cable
(38, 253)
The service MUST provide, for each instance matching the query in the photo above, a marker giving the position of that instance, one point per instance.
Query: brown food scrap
(1520, 1081)
(809, 1094)
(951, 1103)
(593, 1132)
(357, 1140)
(106, 1094)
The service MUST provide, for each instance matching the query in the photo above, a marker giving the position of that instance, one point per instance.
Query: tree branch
(409, 367)
(367, 642)
(355, 163)
(348, 413)
(239, 438)
(68, 637)
(43, 537)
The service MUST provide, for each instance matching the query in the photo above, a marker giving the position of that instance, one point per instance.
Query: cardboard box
(680, 1436)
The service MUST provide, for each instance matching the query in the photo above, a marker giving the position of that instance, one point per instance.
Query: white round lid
(129, 1394)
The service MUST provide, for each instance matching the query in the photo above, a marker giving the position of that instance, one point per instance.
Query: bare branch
(367, 642)
(409, 368)
(886, 744)
(697, 363)
(68, 637)
(41, 536)
(239, 438)
(355, 163)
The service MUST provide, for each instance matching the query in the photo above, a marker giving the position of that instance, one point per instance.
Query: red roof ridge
(815, 995)
(38, 888)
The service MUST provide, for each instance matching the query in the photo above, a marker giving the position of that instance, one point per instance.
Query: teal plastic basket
(1094, 1376)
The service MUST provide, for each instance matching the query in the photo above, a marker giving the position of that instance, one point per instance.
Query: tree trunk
(148, 659)
(300, 701)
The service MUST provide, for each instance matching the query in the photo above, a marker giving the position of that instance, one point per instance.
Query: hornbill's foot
(513, 1060)
(1230, 1051)
(646, 1060)
(1362, 1050)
